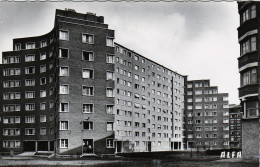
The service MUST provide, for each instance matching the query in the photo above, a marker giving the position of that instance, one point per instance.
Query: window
(88, 56)
(43, 93)
(13, 59)
(11, 107)
(136, 77)
(30, 45)
(64, 125)
(29, 131)
(87, 73)
(110, 109)
(64, 143)
(42, 68)
(51, 78)
(248, 46)
(29, 58)
(11, 84)
(110, 41)
(29, 70)
(251, 109)
(51, 117)
(250, 13)
(197, 121)
(88, 38)
(64, 89)
(63, 53)
(51, 65)
(136, 67)
(43, 56)
(51, 53)
(225, 120)
(11, 71)
(63, 35)
(43, 131)
(29, 82)
(29, 107)
(225, 106)
(17, 47)
(11, 144)
(87, 91)
(225, 98)
(110, 126)
(29, 95)
(64, 107)
(110, 92)
(11, 120)
(110, 143)
(198, 92)
(43, 106)
(43, 118)
(42, 81)
(12, 95)
(29, 119)
(110, 58)
(110, 75)
(249, 77)
(87, 125)
(87, 108)
(198, 107)
(64, 71)
(11, 132)
(43, 43)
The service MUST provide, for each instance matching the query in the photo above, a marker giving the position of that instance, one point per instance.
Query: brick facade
(73, 91)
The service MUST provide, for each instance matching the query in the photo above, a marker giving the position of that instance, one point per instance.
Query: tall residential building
(248, 38)
(235, 126)
(207, 116)
(75, 91)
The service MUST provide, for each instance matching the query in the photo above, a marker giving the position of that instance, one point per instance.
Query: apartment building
(149, 104)
(75, 91)
(207, 116)
(235, 126)
(248, 60)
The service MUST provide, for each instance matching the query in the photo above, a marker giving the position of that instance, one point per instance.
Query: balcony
(248, 89)
(248, 25)
(247, 58)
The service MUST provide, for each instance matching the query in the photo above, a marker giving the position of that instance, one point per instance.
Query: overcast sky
(198, 39)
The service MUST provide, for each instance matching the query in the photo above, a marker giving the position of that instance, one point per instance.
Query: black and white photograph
(129, 83)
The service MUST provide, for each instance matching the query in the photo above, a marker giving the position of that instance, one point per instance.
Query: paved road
(121, 162)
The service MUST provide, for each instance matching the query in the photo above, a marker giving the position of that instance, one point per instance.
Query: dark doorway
(51, 146)
(171, 145)
(149, 146)
(88, 146)
(29, 145)
(176, 145)
(179, 145)
(118, 146)
(42, 146)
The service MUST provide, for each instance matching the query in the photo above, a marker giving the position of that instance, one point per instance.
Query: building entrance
(88, 146)
(29, 146)
(42, 146)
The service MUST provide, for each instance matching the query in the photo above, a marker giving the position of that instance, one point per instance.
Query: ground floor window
(11, 144)
(110, 143)
(64, 143)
